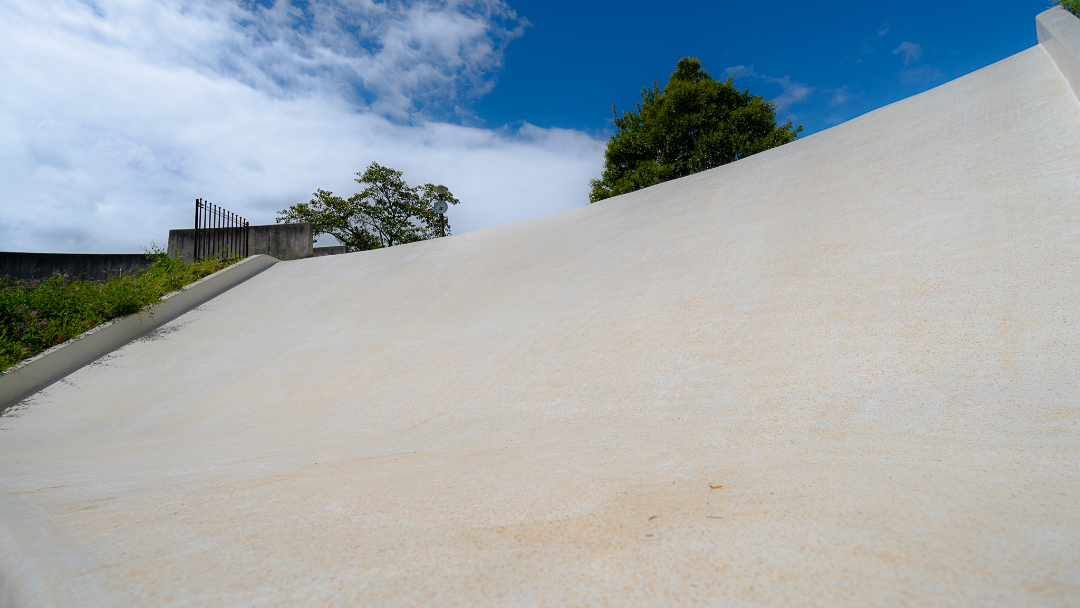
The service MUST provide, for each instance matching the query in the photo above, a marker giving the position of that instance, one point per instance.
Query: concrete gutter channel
(40, 371)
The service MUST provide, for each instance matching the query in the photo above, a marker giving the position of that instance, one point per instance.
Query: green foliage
(1073, 6)
(692, 124)
(37, 315)
(387, 212)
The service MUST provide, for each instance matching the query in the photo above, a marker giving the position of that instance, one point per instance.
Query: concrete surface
(330, 250)
(42, 370)
(1059, 33)
(279, 241)
(843, 372)
(96, 266)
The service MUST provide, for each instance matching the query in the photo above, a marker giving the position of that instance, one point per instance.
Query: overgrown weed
(39, 314)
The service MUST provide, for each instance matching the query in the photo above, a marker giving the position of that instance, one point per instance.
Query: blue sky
(577, 58)
(116, 114)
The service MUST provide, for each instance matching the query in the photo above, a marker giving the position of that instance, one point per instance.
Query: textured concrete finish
(279, 241)
(839, 373)
(330, 250)
(38, 372)
(1059, 33)
(97, 266)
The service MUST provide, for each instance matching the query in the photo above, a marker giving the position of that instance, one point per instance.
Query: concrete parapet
(38, 372)
(96, 266)
(280, 241)
(335, 250)
(1059, 34)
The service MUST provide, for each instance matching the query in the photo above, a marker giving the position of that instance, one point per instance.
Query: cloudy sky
(116, 114)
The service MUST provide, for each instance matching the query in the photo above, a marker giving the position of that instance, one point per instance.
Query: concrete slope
(843, 372)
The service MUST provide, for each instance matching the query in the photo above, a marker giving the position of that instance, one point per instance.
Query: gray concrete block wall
(96, 266)
(281, 241)
(332, 250)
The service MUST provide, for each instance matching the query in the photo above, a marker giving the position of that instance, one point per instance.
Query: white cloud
(739, 71)
(883, 31)
(115, 116)
(793, 92)
(910, 51)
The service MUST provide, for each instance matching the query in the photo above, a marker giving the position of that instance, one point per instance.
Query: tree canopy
(692, 124)
(387, 212)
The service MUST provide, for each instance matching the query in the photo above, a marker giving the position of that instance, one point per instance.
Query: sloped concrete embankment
(42, 370)
(838, 373)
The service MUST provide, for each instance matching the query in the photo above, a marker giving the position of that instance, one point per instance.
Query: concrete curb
(1059, 34)
(36, 373)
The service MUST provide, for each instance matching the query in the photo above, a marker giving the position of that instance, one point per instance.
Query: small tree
(387, 212)
(692, 124)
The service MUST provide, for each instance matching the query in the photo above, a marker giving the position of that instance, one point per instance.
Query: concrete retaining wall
(97, 266)
(280, 241)
(38, 372)
(1059, 34)
(334, 250)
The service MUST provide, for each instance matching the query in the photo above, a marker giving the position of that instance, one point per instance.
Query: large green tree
(386, 212)
(692, 124)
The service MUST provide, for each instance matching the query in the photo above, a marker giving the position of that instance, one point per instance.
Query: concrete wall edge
(1059, 33)
(40, 371)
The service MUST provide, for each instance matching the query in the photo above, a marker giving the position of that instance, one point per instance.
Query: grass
(37, 315)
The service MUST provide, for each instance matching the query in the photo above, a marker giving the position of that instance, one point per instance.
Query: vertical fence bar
(221, 230)
(217, 231)
(195, 254)
(213, 233)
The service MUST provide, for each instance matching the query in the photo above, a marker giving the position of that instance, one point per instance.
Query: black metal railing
(219, 233)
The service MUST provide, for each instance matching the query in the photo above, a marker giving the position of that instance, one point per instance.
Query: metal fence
(219, 233)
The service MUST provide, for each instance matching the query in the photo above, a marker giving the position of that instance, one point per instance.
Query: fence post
(195, 254)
